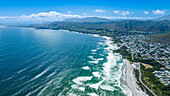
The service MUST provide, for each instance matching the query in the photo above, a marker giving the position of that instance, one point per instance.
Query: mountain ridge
(166, 17)
(87, 19)
(124, 25)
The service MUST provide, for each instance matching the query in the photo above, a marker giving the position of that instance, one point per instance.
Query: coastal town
(139, 48)
(85, 48)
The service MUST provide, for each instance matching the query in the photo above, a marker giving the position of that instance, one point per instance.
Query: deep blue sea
(41, 62)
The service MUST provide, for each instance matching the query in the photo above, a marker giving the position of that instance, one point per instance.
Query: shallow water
(51, 62)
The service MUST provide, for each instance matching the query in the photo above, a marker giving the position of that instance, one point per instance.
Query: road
(122, 45)
(148, 54)
(140, 75)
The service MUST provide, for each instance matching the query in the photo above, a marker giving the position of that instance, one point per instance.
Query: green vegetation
(125, 27)
(116, 26)
(109, 28)
(117, 41)
(123, 51)
(136, 72)
(155, 65)
(147, 74)
(161, 38)
(153, 82)
(150, 80)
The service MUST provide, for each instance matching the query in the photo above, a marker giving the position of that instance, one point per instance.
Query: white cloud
(124, 13)
(52, 15)
(146, 12)
(84, 14)
(158, 12)
(117, 12)
(99, 11)
(3, 17)
(56, 16)
(69, 12)
(7, 17)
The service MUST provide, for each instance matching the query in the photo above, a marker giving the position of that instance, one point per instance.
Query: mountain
(88, 19)
(124, 25)
(104, 26)
(166, 17)
(161, 38)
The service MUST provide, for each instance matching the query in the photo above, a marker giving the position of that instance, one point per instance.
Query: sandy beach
(131, 80)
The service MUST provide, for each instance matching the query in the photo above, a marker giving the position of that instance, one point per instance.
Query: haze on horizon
(14, 11)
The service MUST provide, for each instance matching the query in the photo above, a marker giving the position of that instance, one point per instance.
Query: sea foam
(96, 74)
(80, 80)
(85, 68)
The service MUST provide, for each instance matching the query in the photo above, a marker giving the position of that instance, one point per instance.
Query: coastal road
(140, 75)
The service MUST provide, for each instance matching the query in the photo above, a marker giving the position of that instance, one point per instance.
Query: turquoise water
(50, 62)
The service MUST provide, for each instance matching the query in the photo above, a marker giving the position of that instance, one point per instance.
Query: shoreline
(129, 76)
(130, 80)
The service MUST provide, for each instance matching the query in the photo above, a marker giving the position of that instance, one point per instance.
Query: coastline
(128, 72)
(129, 76)
(131, 80)
(106, 69)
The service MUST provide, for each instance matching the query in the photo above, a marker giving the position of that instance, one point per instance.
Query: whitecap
(93, 50)
(96, 74)
(85, 68)
(80, 80)
(96, 85)
(82, 88)
(40, 74)
(107, 87)
(74, 86)
(71, 94)
(92, 94)
(39, 94)
(51, 74)
(22, 70)
(95, 35)
(100, 58)
(91, 57)
(101, 55)
(94, 61)
(34, 91)
(101, 43)
(77, 87)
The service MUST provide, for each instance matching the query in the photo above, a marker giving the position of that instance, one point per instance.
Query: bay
(58, 62)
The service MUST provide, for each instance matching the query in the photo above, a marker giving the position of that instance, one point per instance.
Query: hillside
(111, 28)
(166, 17)
(161, 38)
(125, 25)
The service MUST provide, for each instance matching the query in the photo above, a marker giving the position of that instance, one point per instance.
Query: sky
(57, 10)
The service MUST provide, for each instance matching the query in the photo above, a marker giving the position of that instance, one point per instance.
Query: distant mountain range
(95, 25)
(96, 19)
(161, 25)
(88, 19)
(166, 17)
(124, 25)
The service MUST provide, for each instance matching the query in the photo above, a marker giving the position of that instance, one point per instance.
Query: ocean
(43, 62)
